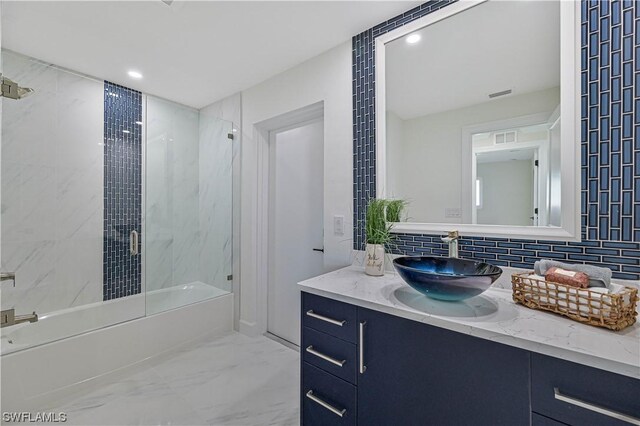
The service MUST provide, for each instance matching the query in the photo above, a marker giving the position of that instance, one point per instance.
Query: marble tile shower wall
(172, 228)
(610, 146)
(188, 212)
(215, 199)
(122, 271)
(52, 197)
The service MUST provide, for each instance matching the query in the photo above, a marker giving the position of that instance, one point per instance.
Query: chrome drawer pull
(329, 407)
(595, 408)
(326, 319)
(361, 367)
(325, 357)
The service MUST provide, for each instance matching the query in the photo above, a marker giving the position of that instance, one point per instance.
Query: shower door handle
(133, 242)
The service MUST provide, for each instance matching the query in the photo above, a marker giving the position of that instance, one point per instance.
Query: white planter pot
(374, 260)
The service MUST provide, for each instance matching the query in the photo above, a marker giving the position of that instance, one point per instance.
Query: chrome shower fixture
(11, 90)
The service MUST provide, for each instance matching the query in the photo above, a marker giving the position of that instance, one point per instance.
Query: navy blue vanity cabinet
(539, 420)
(326, 399)
(575, 394)
(416, 374)
(370, 368)
(328, 362)
(329, 316)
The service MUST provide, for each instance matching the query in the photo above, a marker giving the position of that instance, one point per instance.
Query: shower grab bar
(133, 242)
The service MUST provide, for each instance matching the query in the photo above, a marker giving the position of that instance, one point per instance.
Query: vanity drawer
(326, 399)
(329, 353)
(335, 318)
(579, 395)
(539, 420)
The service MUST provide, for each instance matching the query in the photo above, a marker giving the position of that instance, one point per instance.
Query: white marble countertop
(493, 316)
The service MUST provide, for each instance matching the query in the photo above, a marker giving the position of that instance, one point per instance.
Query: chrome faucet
(8, 317)
(452, 240)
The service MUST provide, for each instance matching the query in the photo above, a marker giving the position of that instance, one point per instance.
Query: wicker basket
(612, 311)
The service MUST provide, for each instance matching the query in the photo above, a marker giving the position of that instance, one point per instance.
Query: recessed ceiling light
(139, 123)
(126, 131)
(135, 74)
(413, 38)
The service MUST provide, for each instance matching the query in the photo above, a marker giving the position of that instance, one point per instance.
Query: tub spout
(33, 317)
(9, 317)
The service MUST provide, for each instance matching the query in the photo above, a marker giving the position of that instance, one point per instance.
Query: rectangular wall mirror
(479, 131)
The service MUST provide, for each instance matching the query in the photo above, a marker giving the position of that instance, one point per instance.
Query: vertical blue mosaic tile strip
(122, 272)
(610, 143)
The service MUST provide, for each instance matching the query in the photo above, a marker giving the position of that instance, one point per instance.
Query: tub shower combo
(116, 205)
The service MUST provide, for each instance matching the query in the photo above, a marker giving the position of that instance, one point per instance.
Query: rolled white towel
(575, 298)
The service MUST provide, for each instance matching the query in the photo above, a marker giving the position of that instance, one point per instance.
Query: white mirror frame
(569, 114)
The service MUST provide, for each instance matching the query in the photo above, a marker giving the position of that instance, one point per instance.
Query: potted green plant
(379, 217)
(395, 209)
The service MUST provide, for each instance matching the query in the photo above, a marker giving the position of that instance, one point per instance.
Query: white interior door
(296, 222)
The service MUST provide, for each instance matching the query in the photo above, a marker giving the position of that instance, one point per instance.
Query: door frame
(271, 200)
(467, 194)
(259, 265)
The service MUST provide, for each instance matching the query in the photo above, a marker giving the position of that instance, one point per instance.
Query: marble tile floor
(230, 379)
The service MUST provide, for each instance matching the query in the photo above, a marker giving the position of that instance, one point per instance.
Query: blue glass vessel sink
(446, 278)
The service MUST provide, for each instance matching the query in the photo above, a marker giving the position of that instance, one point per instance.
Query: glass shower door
(188, 206)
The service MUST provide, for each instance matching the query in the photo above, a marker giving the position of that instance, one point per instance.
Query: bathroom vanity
(375, 352)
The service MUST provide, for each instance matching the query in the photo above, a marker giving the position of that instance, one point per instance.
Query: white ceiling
(505, 155)
(191, 52)
(459, 61)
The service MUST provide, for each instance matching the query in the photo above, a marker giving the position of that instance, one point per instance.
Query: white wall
(394, 145)
(325, 78)
(429, 171)
(507, 193)
(52, 188)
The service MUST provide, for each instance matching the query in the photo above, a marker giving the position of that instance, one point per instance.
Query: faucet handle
(8, 276)
(454, 235)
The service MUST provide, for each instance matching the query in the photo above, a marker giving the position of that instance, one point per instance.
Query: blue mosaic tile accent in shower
(610, 143)
(122, 272)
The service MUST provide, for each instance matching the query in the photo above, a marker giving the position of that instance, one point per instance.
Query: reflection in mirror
(473, 117)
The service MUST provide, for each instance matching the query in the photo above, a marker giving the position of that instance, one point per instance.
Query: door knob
(317, 249)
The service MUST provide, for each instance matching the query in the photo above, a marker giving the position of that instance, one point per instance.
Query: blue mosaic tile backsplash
(122, 272)
(610, 144)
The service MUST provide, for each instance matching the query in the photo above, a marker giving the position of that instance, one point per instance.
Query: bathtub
(68, 350)
(70, 322)
(173, 297)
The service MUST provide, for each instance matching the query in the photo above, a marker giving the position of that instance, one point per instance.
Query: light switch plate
(452, 212)
(338, 225)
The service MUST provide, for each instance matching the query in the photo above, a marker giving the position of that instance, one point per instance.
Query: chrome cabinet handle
(326, 405)
(133, 242)
(325, 319)
(325, 357)
(596, 408)
(361, 367)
